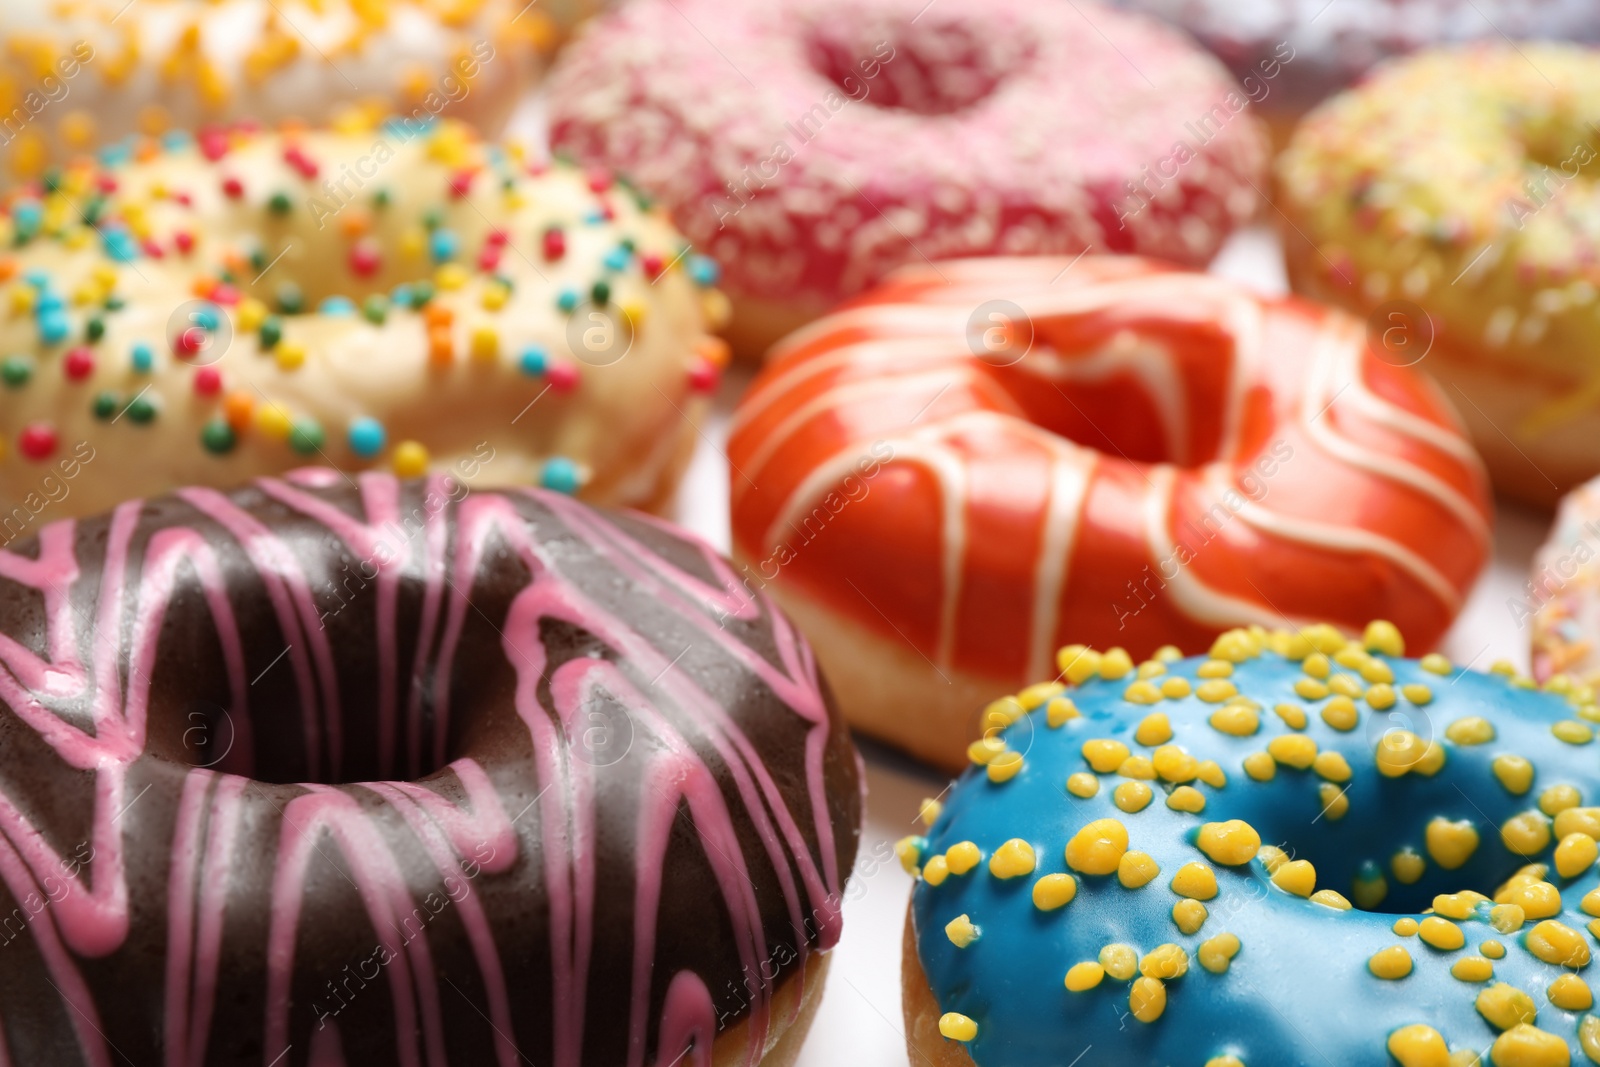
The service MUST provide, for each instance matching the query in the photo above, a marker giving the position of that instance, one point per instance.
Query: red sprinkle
(364, 259)
(703, 377)
(37, 440)
(213, 144)
(489, 258)
(563, 377)
(233, 188)
(183, 198)
(224, 294)
(555, 244)
(106, 183)
(184, 240)
(78, 365)
(498, 238)
(190, 341)
(296, 158)
(651, 264)
(599, 180)
(152, 248)
(461, 183)
(208, 381)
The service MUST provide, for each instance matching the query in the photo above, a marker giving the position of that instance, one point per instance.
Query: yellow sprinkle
(1384, 636)
(1260, 766)
(1432, 759)
(1297, 876)
(1559, 798)
(1293, 716)
(1407, 866)
(1398, 752)
(1417, 693)
(1451, 844)
(1442, 933)
(1345, 685)
(1505, 1006)
(1217, 952)
(1293, 750)
(1578, 821)
(960, 931)
(1527, 833)
(1098, 847)
(1147, 999)
(1154, 729)
(909, 852)
(410, 459)
(1154, 668)
(1078, 664)
(1291, 646)
(1507, 918)
(1341, 713)
(1054, 891)
(1514, 773)
(251, 313)
(1103, 755)
(1310, 689)
(273, 420)
(1166, 962)
(1196, 881)
(1317, 666)
(1392, 962)
(1232, 843)
(928, 811)
(1472, 969)
(1589, 1036)
(1120, 961)
(962, 857)
(1376, 671)
(1471, 730)
(291, 355)
(1136, 869)
(1504, 668)
(1176, 687)
(985, 749)
(1458, 906)
(1138, 767)
(1084, 976)
(1083, 784)
(1115, 664)
(1572, 732)
(1405, 926)
(1236, 646)
(1271, 857)
(1494, 950)
(1190, 915)
(1418, 1045)
(1059, 711)
(935, 871)
(1004, 767)
(1558, 944)
(1142, 693)
(1188, 798)
(1235, 720)
(1215, 668)
(957, 1027)
(1434, 663)
(1211, 773)
(1332, 766)
(1132, 797)
(450, 277)
(1001, 713)
(1335, 801)
(1575, 854)
(1168, 654)
(1570, 993)
(1173, 764)
(1037, 696)
(1216, 690)
(1331, 898)
(1012, 860)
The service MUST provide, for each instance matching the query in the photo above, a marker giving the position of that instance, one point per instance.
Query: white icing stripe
(1393, 417)
(1197, 600)
(1343, 539)
(1071, 471)
(1153, 365)
(1314, 416)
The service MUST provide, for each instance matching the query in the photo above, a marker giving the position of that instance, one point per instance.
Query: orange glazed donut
(948, 478)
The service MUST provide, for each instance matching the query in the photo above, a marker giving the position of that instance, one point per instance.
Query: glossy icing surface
(395, 772)
(1150, 456)
(1220, 837)
(812, 146)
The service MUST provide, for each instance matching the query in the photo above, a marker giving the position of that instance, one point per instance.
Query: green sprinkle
(141, 410)
(105, 405)
(217, 437)
(271, 332)
(280, 204)
(306, 437)
(16, 370)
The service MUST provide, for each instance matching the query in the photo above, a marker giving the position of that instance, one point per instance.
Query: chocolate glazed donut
(321, 772)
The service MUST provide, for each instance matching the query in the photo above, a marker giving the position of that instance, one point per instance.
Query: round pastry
(946, 479)
(218, 308)
(1461, 217)
(811, 147)
(1297, 850)
(1291, 54)
(334, 772)
(1560, 599)
(81, 74)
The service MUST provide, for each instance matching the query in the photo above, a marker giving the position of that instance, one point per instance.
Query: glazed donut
(406, 297)
(1447, 212)
(1289, 55)
(872, 135)
(79, 74)
(1559, 599)
(944, 480)
(1139, 878)
(259, 748)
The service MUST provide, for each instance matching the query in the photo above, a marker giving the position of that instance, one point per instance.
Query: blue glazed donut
(1298, 850)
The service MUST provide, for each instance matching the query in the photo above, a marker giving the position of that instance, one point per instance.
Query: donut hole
(934, 65)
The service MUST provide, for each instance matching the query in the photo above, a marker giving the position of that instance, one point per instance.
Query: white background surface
(859, 1022)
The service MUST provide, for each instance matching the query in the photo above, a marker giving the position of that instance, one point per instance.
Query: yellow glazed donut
(408, 297)
(75, 74)
(1449, 199)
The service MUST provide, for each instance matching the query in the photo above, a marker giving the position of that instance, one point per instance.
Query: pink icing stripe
(688, 1018)
(225, 812)
(180, 913)
(53, 574)
(327, 1050)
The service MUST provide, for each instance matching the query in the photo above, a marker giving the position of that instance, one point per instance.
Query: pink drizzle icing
(91, 918)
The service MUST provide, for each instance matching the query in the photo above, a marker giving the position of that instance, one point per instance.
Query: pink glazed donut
(811, 146)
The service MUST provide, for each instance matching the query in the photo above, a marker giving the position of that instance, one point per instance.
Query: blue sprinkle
(401, 297)
(704, 271)
(595, 217)
(534, 360)
(116, 152)
(173, 140)
(367, 437)
(207, 317)
(48, 303)
(54, 327)
(341, 306)
(443, 245)
(144, 357)
(38, 279)
(560, 474)
(28, 213)
(119, 245)
(616, 259)
(568, 300)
